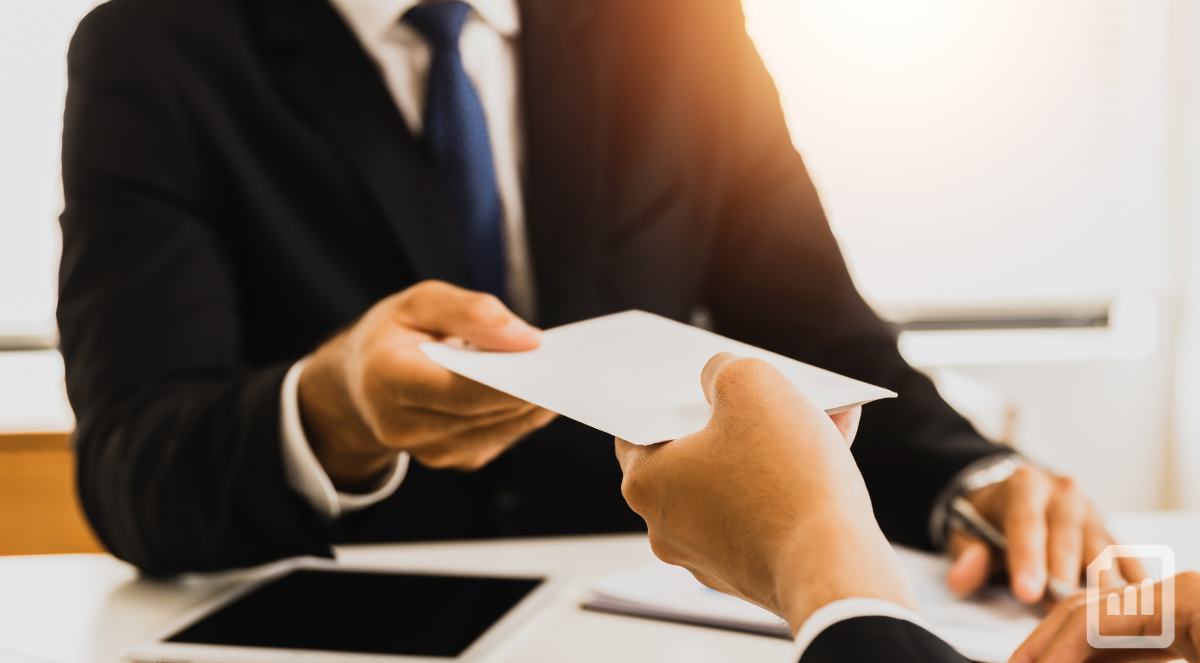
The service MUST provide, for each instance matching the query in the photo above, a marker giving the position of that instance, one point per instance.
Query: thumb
(627, 454)
(708, 376)
(478, 318)
(739, 386)
(972, 564)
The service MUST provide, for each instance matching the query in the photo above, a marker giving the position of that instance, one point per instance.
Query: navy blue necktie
(456, 134)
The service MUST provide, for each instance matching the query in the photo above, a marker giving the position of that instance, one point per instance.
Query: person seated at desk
(766, 504)
(270, 203)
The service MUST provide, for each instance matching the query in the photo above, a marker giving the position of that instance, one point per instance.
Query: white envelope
(633, 375)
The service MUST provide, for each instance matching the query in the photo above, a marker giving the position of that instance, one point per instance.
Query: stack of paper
(634, 375)
(986, 628)
(670, 593)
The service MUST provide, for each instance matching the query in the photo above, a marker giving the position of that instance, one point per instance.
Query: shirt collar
(372, 19)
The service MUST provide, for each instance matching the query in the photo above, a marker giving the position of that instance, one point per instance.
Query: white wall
(1104, 423)
(1185, 411)
(1019, 153)
(974, 151)
(33, 45)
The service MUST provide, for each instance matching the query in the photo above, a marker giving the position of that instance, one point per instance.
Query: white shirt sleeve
(841, 610)
(304, 472)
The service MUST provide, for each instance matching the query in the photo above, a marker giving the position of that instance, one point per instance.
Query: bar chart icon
(1129, 601)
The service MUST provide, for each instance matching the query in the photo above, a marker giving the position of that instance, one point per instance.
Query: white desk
(81, 608)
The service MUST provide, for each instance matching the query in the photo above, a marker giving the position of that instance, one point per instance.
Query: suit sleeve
(878, 639)
(178, 442)
(778, 280)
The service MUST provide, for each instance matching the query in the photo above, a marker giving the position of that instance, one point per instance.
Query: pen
(964, 516)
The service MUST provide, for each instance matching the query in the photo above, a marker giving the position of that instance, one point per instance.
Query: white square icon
(1126, 601)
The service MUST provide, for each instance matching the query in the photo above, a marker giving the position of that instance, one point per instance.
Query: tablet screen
(362, 612)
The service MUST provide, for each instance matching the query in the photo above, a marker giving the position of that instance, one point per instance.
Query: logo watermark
(1126, 601)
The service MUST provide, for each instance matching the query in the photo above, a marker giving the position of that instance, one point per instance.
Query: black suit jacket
(872, 639)
(240, 185)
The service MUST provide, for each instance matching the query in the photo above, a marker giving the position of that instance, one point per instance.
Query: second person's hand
(1052, 531)
(766, 503)
(1062, 635)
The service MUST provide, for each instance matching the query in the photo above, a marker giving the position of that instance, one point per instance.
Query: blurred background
(1015, 184)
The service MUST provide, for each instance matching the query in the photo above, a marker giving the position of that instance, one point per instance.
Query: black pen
(966, 517)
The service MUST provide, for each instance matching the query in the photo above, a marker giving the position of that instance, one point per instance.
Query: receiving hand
(371, 393)
(766, 503)
(1052, 532)
(1062, 636)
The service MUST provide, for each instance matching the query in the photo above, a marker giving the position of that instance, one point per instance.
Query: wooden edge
(35, 442)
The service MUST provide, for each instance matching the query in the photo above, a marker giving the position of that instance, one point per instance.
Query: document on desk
(986, 628)
(634, 375)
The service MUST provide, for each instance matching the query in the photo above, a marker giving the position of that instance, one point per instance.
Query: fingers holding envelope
(370, 393)
(742, 502)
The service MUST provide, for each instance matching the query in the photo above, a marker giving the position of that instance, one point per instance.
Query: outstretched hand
(766, 503)
(370, 393)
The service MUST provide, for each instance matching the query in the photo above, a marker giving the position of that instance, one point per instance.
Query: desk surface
(69, 608)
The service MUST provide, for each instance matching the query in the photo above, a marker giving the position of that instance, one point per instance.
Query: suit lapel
(326, 71)
(563, 83)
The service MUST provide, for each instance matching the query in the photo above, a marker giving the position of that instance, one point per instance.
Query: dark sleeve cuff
(878, 639)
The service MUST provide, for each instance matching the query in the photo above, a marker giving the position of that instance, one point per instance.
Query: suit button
(507, 500)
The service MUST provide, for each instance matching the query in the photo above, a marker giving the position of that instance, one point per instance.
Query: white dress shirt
(488, 48)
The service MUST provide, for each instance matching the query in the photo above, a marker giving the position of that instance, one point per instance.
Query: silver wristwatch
(980, 474)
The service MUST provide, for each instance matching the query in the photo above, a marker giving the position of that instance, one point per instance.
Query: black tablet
(314, 610)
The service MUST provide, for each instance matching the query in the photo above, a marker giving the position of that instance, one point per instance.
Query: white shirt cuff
(304, 472)
(843, 609)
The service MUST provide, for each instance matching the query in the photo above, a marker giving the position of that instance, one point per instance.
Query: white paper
(634, 375)
(662, 591)
(987, 628)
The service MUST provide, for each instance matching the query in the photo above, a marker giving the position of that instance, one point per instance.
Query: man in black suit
(270, 202)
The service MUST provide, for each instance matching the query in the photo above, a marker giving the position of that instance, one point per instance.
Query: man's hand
(371, 393)
(1052, 531)
(1062, 635)
(766, 502)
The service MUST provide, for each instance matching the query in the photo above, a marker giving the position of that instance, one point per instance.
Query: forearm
(853, 601)
(187, 476)
(857, 606)
(855, 562)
